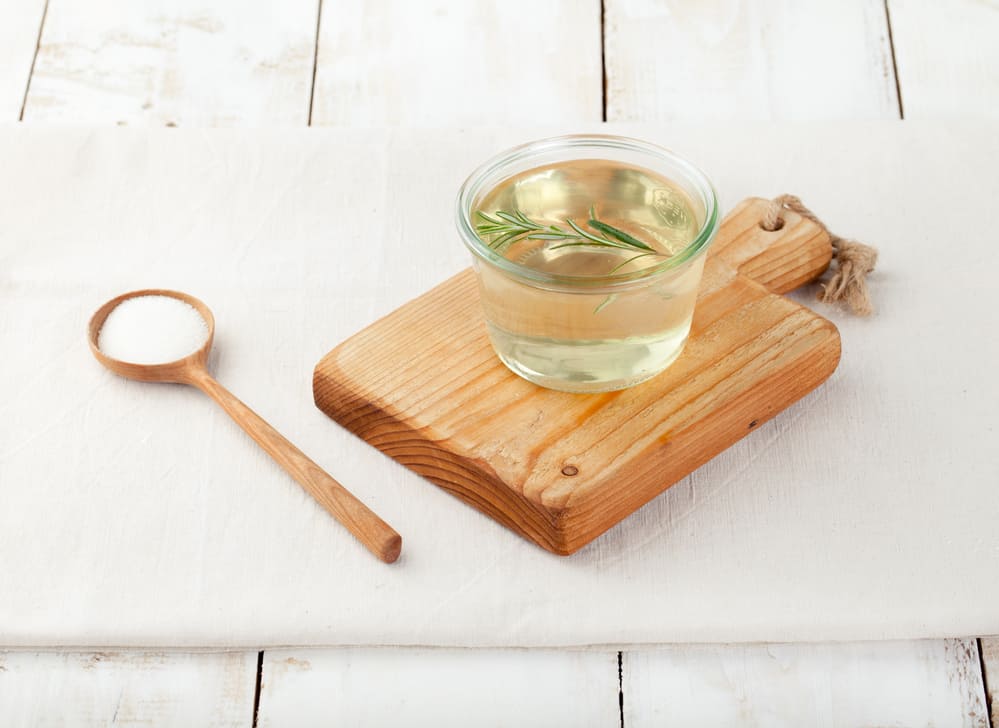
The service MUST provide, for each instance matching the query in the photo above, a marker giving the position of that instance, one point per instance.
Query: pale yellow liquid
(578, 337)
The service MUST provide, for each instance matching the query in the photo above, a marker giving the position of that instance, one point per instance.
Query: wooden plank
(20, 23)
(376, 686)
(175, 62)
(127, 688)
(900, 684)
(760, 59)
(454, 62)
(990, 663)
(947, 55)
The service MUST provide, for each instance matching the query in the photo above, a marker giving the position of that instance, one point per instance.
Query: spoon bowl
(376, 535)
(178, 371)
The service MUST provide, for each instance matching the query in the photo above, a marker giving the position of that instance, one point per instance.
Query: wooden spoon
(369, 529)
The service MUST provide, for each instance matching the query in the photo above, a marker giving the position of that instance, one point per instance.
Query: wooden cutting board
(424, 386)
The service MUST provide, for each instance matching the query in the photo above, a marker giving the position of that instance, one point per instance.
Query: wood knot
(570, 470)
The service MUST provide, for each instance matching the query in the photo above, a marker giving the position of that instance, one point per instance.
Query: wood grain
(371, 687)
(454, 62)
(174, 63)
(900, 684)
(752, 59)
(948, 58)
(560, 469)
(92, 689)
(20, 23)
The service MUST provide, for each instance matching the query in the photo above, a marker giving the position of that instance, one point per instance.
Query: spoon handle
(370, 530)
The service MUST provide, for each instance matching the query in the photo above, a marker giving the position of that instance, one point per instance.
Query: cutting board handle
(798, 252)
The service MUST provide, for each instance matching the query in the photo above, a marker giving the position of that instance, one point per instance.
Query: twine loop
(848, 283)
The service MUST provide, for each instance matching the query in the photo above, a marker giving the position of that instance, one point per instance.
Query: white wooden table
(444, 63)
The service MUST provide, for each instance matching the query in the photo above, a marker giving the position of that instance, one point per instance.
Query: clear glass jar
(587, 333)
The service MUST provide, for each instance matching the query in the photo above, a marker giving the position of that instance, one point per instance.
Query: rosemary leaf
(590, 236)
(508, 217)
(619, 234)
(484, 216)
(616, 268)
(507, 226)
(606, 302)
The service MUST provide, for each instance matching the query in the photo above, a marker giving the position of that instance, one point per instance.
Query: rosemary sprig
(506, 227)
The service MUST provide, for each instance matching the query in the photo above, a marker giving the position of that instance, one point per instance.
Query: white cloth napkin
(139, 515)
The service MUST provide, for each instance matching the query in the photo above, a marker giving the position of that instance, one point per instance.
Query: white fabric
(138, 515)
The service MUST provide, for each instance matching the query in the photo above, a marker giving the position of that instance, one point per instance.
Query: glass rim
(473, 186)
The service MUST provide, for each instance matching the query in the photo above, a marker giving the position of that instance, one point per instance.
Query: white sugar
(152, 330)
